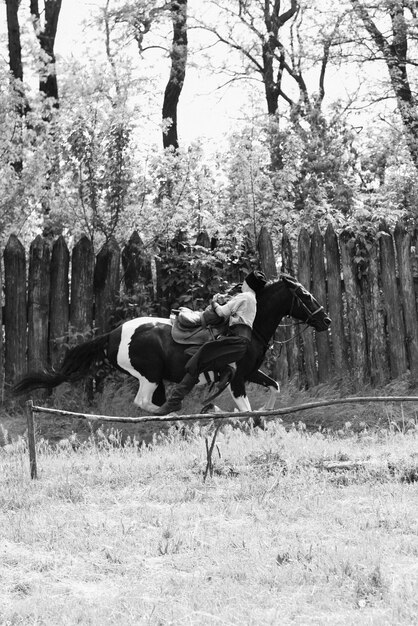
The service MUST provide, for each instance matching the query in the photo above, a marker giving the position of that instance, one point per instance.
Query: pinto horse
(144, 348)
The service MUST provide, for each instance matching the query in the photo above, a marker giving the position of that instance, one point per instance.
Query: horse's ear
(290, 281)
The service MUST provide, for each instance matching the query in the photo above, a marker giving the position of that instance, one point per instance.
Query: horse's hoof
(207, 408)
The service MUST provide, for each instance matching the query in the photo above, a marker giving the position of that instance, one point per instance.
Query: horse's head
(304, 306)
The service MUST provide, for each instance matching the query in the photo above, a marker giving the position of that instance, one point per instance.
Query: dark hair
(256, 280)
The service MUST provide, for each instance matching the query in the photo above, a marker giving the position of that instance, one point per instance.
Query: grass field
(132, 534)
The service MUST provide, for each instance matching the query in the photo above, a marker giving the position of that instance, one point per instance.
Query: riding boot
(217, 388)
(173, 403)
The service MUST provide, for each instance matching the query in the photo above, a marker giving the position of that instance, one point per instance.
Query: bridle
(310, 314)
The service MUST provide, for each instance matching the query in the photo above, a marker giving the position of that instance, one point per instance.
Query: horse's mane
(282, 277)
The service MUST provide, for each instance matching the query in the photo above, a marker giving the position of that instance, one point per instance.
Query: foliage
(191, 274)
(87, 168)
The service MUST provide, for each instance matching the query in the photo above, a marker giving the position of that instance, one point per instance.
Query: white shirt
(241, 309)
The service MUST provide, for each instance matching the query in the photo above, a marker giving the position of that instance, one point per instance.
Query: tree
(391, 46)
(16, 66)
(178, 55)
(253, 28)
(48, 84)
(15, 46)
(272, 45)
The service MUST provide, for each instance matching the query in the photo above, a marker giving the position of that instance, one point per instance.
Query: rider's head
(255, 281)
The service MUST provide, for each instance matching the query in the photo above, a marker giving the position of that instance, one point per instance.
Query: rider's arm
(223, 310)
(241, 308)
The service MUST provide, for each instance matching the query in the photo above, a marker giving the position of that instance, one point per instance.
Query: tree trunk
(177, 73)
(13, 32)
(48, 84)
(395, 55)
(15, 65)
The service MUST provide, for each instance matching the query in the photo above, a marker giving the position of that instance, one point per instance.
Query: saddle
(197, 327)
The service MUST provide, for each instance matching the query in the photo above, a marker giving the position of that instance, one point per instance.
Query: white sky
(204, 110)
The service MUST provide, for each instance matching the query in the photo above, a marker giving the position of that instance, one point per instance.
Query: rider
(227, 349)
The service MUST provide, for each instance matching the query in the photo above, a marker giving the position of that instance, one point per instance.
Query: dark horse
(144, 348)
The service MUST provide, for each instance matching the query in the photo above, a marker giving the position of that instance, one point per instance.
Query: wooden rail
(31, 409)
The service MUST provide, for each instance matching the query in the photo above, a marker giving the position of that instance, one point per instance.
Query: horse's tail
(75, 366)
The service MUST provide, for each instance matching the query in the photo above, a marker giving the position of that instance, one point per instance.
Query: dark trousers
(215, 355)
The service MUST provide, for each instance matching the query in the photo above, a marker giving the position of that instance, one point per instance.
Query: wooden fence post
(394, 323)
(335, 302)
(373, 312)
(304, 274)
(355, 313)
(31, 440)
(82, 268)
(320, 292)
(106, 284)
(203, 239)
(39, 281)
(136, 264)
(15, 313)
(1, 339)
(268, 266)
(266, 254)
(403, 249)
(59, 300)
(293, 340)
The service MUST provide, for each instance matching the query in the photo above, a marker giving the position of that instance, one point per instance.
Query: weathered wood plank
(392, 301)
(355, 312)
(304, 274)
(2, 386)
(203, 239)
(335, 303)
(320, 292)
(15, 310)
(403, 250)
(268, 266)
(373, 310)
(39, 282)
(136, 265)
(292, 338)
(106, 284)
(60, 305)
(82, 298)
(266, 254)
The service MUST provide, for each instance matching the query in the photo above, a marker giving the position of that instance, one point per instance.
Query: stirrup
(218, 387)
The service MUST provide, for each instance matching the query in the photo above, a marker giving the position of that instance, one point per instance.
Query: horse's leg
(237, 390)
(143, 398)
(260, 378)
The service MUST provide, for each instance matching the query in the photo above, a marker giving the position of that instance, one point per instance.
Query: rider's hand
(219, 298)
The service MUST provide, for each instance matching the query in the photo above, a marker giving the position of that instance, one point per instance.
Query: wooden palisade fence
(366, 284)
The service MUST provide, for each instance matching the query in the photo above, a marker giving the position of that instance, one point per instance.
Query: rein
(295, 336)
(310, 316)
